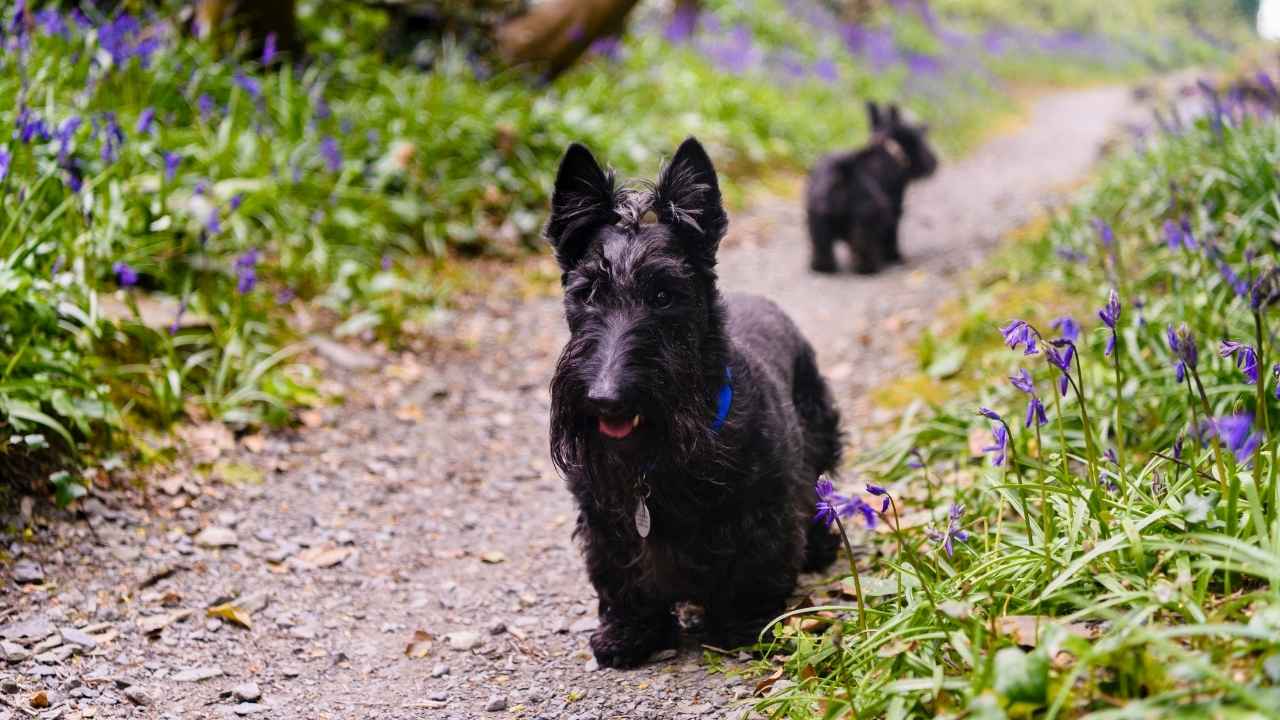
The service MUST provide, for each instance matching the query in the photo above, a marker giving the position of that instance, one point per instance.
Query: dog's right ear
(873, 116)
(583, 200)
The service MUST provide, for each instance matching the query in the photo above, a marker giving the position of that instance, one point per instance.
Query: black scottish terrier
(690, 428)
(857, 196)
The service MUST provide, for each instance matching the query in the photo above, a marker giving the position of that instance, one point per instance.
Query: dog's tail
(823, 444)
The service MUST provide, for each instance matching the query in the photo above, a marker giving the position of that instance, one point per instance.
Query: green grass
(1086, 587)
(351, 188)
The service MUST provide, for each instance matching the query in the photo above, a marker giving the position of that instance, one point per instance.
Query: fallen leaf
(763, 686)
(420, 645)
(1025, 629)
(155, 623)
(323, 556)
(311, 418)
(254, 443)
(493, 557)
(230, 612)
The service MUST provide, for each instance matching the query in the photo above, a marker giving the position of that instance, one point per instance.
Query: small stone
(440, 670)
(40, 700)
(56, 655)
(26, 572)
(662, 655)
(438, 695)
(13, 652)
(699, 709)
(197, 674)
(464, 640)
(586, 624)
(9, 687)
(496, 703)
(137, 696)
(78, 637)
(248, 692)
(248, 708)
(497, 627)
(216, 537)
(29, 632)
(290, 672)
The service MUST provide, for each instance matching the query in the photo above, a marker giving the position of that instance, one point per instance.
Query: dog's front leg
(634, 621)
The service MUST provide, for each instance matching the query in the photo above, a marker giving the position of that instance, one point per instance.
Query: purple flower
(176, 325)
(236, 201)
(75, 176)
(269, 50)
(1000, 446)
(213, 223)
(1067, 328)
(171, 163)
(248, 84)
(50, 20)
(1236, 432)
(684, 21)
(1110, 315)
(331, 153)
(829, 502)
(1105, 233)
(1110, 455)
(1018, 332)
(285, 296)
(1265, 290)
(1246, 358)
(1173, 235)
(113, 137)
(5, 161)
(877, 490)
(205, 104)
(1035, 412)
(145, 120)
(859, 505)
(990, 414)
(954, 531)
(1062, 361)
(1177, 448)
(126, 276)
(1023, 382)
(826, 70)
(246, 272)
(608, 47)
(1183, 346)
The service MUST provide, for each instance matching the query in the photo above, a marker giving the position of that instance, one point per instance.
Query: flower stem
(911, 555)
(1119, 426)
(853, 570)
(1269, 500)
(1046, 515)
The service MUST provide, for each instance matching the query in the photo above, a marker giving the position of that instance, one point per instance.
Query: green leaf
(1022, 677)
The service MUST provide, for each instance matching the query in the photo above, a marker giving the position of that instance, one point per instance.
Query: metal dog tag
(643, 521)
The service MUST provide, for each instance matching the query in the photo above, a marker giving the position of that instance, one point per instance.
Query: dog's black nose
(605, 399)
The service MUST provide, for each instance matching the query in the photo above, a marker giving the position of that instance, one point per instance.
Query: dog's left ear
(583, 200)
(687, 198)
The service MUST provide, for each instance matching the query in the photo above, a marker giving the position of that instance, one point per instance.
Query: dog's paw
(618, 646)
(823, 265)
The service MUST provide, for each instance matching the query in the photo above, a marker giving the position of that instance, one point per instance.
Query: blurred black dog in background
(690, 428)
(857, 196)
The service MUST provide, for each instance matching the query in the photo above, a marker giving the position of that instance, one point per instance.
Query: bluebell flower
(1111, 457)
(145, 120)
(50, 20)
(953, 533)
(1110, 315)
(1236, 432)
(112, 137)
(331, 153)
(990, 414)
(246, 271)
(213, 223)
(236, 201)
(1246, 358)
(1067, 328)
(126, 276)
(1018, 332)
(1182, 344)
(1062, 361)
(1000, 446)
(1177, 447)
(269, 50)
(205, 105)
(5, 161)
(171, 163)
(1023, 381)
(1105, 233)
(249, 84)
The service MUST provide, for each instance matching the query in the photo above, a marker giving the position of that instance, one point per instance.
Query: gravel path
(428, 503)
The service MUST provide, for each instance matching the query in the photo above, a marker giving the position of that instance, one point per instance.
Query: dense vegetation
(1092, 526)
(173, 221)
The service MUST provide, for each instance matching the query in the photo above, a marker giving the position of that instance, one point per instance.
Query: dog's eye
(662, 299)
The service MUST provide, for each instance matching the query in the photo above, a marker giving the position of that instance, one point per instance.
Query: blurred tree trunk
(258, 18)
(552, 35)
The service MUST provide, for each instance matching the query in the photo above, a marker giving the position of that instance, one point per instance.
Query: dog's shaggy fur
(634, 414)
(858, 196)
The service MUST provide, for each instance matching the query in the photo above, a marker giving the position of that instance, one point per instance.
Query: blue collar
(724, 402)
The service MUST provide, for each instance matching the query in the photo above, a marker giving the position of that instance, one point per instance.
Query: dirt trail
(428, 502)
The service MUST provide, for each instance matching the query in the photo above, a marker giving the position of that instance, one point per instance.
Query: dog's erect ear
(895, 116)
(687, 198)
(873, 115)
(583, 200)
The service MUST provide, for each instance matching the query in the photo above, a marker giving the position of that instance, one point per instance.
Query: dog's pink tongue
(616, 429)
